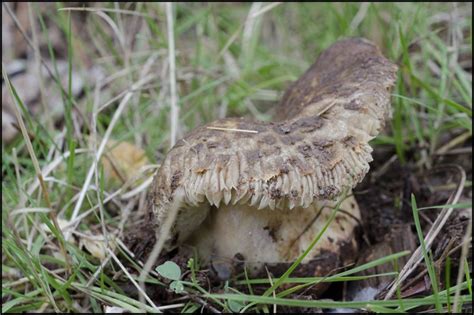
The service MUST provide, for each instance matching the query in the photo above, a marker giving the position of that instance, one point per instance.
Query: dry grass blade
(142, 187)
(111, 253)
(122, 11)
(22, 197)
(172, 60)
(453, 142)
(273, 293)
(464, 251)
(239, 29)
(111, 196)
(440, 221)
(29, 146)
(325, 109)
(249, 26)
(359, 17)
(51, 166)
(161, 237)
(37, 56)
(232, 129)
(265, 9)
(101, 148)
(114, 27)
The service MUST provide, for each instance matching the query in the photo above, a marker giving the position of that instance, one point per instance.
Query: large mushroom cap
(317, 147)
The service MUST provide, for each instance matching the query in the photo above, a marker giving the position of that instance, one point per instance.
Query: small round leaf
(177, 286)
(169, 270)
(235, 306)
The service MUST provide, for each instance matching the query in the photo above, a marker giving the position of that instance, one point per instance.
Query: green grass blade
(280, 280)
(427, 257)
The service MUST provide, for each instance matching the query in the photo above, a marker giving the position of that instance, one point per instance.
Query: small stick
(325, 109)
(232, 129)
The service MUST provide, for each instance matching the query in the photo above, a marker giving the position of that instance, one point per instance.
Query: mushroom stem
(271, 237)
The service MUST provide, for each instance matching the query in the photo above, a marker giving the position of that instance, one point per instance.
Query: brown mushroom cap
(317, 147)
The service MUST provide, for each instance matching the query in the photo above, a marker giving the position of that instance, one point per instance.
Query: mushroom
(261, 191)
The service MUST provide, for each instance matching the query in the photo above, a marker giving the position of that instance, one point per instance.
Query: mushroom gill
(263, 190)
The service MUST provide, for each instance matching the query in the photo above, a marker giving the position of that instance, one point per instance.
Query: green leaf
(169, 270)
(177, 286)
(235, 306)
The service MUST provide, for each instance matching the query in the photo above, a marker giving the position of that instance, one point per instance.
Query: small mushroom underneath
(263, 190)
